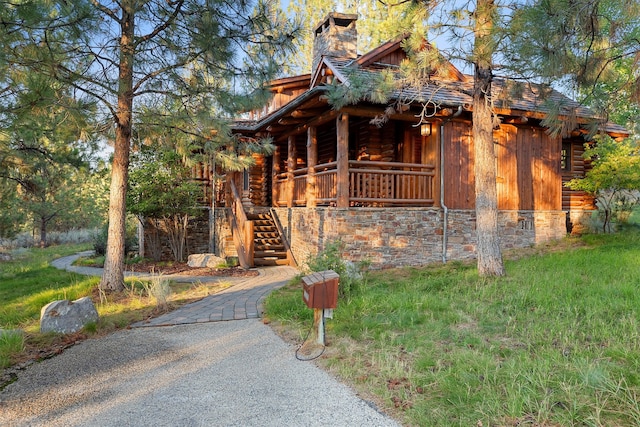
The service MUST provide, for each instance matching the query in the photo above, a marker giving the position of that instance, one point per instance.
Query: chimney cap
(335, 18)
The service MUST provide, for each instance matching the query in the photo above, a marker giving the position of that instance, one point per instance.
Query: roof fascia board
(284, 110)
(382, 50)
(326, 62)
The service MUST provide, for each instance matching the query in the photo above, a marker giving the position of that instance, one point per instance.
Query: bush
(28, 240)
(352, 275)
(100, 240)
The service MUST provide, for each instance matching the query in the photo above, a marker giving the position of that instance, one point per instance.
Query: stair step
(265, 228)
(263, 222)
(270, 261)
(265, 235)
(268, 246)
(269, 254)
(268, 240)
(258, 216)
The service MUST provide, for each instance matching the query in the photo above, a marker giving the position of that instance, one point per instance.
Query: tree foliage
(182, 59)
(161, 190)
(589, 48)
(46, 145)
(614, 176)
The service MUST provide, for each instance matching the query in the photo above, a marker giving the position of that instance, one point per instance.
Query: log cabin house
(400, 193)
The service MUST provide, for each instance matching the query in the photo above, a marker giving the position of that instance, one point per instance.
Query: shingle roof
(507, 95)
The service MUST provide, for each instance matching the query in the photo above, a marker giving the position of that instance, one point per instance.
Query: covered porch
(355, 164)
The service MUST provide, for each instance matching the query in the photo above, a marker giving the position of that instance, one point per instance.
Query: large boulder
(205, 260)
(66, 316)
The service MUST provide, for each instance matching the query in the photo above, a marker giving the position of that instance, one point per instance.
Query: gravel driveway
(236, 373)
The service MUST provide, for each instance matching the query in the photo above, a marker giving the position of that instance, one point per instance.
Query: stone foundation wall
(391, 237)
(197, 238)
(222, 238)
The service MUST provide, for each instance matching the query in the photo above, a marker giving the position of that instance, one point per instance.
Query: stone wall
(222, 238)
(157, 240)
(390, 237)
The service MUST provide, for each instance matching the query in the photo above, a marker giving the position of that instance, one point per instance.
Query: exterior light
(425, 129)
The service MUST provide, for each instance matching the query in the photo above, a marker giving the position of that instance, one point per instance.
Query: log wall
(527, 162)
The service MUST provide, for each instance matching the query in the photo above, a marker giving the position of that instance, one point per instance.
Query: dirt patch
(183, 269)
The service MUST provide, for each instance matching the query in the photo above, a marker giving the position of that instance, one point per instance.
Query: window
(245, 180)
(565, 157)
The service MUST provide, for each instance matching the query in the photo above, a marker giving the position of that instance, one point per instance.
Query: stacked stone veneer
(391, 237)
(335, 36)
(197, 237)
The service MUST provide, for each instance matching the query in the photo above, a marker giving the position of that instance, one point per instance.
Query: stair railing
(242, 229)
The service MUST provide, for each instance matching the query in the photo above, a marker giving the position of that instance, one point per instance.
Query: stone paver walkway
(242, 300)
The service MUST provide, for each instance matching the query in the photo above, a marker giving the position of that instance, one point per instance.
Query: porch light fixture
(425, 129)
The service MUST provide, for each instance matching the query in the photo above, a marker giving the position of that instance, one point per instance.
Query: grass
(555, 342)
(28, 282)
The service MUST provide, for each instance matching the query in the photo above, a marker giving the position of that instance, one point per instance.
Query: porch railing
(370, 184)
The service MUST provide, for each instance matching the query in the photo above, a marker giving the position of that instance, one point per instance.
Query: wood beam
(306, 114)
(321, 119)
(291, 166)
(289, 121)
(371, 112)
(342, 133)
(312, 160)
(275, 171)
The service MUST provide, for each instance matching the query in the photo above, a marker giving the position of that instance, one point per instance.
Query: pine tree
(192, 58)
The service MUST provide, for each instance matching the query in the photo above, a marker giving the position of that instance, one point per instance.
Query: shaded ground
(183, 269)
(172, 267)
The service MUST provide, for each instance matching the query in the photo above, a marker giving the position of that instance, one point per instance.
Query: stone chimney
(335, 36)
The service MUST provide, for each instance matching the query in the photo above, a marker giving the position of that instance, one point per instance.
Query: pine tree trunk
(43, 232)
(113, 274)
(488, 246)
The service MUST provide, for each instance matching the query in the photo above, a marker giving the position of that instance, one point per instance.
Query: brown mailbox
(320, 289)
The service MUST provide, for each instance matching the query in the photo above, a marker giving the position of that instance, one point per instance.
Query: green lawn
(555, 342)
(28, 283)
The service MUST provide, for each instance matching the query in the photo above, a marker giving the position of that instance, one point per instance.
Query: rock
(205, 260)
(67, 317)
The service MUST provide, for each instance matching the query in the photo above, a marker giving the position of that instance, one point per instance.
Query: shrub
(100, 240)
(352, 275)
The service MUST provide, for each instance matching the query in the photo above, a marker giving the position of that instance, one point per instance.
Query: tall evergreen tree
(196, 56)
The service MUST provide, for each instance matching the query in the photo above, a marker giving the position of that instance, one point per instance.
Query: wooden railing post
(275, 171)
(312, 160)
(342, 190)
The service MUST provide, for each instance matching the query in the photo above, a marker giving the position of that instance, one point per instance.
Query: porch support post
(291, 166)
(312, 160)
(275, 171)
(434, 140)
(342, 190)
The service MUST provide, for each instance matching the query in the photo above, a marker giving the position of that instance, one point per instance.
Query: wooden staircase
(269, 249)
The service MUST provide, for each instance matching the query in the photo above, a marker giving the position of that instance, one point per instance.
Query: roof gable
(392, 54)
